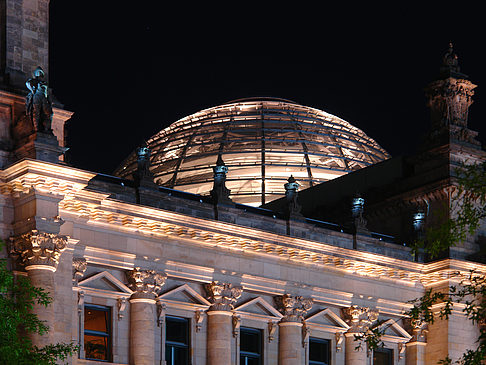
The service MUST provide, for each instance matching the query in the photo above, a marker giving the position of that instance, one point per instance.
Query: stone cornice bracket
(79, 267)
(145, 283)
(293, 308)
(223, 295)
(38, 248)
(360, 319)
(417, 328)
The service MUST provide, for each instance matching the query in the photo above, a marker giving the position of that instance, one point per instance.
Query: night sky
(128, 71)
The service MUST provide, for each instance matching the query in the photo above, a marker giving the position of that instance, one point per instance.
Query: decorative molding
(359, 319)
(236, 321)
(145, 283)
(340, 325)
(188, 291)
(305, 334)
(243, 310)
(339, 337)
(122, 305)
(119, 290)
(272, 327)
(199, 318)
(79, 267)
(38, 248)
(80, 301)
(293, 308)
(69, 183)
(418, 328)
(223, 295)
(398, 333)
(401, 350)
(161, 308)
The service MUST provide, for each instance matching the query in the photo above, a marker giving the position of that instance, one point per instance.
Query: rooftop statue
(450, 61)
(143, 161)
(37, 104)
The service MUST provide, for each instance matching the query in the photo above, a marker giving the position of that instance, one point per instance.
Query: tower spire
(450, 65)
(449, 98)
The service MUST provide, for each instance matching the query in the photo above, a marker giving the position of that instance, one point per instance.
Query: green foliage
(469, 209)
(372, 338)
(17, 298)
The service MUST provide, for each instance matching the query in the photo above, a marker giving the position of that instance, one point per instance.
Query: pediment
(394, 332)
(184, 294)
(327, 318)
(105, 283)
(258, 307)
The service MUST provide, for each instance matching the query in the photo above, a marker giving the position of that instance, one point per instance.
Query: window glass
(383, 357)
(319, 353)
(250, 346)
(97, 332)
(176, 341)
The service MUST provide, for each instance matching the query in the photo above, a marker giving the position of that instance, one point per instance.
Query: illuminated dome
(262, 142)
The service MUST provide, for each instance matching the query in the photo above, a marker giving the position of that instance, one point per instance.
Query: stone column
(220, 323)
(290, 345)
(40, 253)
(146, 285)
(360, 319)
(415, 352)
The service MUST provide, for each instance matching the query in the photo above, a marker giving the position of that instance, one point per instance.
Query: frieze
(163, 224)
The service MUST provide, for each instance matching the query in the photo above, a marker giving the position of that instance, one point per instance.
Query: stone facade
(221, 275)
(145, 258)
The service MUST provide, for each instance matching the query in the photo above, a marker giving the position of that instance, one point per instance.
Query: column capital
(222, 295)
(293, 307)
(79, 267)
(38, 248)
(360, 319)
(145, 283)
(418, 328)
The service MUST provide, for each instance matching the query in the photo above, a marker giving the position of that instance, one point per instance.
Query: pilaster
(40, 252)
(223, 296)
(146, 284)
(360, 320)
(415, 354)
(291, 342)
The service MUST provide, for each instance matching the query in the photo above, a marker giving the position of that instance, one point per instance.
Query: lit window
(319, 353)
(250, 346)
(97, 332)
(383, 357)
(176, 341)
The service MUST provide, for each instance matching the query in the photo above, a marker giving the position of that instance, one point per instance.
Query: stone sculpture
(38, 107)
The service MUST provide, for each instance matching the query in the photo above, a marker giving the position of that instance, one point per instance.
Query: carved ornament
(79, 267)
(417, 328)
(223, 295)
(145, 283)
(293, 307)
(360, 319)
(38, 248)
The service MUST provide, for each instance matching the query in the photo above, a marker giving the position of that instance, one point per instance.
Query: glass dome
(262, 142)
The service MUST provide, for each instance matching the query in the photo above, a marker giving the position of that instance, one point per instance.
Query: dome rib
(263, 141)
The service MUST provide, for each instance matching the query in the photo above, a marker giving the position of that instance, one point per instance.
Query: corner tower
(24, 40)
(449, 98)
(24, 50)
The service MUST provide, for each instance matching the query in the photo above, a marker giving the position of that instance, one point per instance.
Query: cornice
(98, 210)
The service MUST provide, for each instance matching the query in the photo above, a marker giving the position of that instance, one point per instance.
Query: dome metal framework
(262, 142)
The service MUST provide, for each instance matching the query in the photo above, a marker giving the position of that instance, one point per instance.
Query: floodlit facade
(146, 274)
(262, 142)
